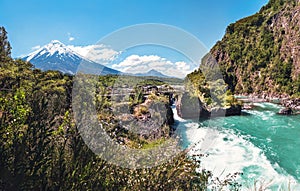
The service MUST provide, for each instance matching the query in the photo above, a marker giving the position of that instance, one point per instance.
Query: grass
(153, 143)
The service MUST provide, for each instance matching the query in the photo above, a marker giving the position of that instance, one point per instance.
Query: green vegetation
(213, 93)
(256, 53)
(5, 48)
(134, 102)
(41, 149)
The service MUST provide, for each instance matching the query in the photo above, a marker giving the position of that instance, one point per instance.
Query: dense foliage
(41, 149)
(260, 53)
(213, 93)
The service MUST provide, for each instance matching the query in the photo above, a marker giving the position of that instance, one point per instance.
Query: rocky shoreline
(192, 108)
(291, 105)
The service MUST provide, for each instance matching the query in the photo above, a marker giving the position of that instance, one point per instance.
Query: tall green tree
(5, 48)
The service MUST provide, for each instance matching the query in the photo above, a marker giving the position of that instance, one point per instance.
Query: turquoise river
(263, 146)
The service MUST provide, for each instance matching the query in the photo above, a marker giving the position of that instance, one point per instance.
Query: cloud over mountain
(139, 64)
(97, 53)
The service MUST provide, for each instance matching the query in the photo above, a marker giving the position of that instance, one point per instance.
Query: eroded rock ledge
(189, 107)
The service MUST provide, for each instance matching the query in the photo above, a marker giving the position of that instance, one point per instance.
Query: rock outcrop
(230, 111)
(261, 53)
(153, 119)
(189, 107)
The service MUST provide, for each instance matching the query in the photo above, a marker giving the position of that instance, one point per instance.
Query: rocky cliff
(261, 53)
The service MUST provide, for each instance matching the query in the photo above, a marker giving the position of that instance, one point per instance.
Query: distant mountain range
(57, 56)
(153, 73)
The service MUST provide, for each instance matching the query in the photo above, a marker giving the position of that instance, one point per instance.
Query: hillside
(261, 53)
(41, 147)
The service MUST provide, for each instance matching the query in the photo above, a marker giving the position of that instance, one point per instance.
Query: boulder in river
(286, 111)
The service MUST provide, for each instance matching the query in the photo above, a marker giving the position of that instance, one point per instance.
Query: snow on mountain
(57, 56)
(54, 47)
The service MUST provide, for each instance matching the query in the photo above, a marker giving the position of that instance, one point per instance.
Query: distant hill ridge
(153, 72)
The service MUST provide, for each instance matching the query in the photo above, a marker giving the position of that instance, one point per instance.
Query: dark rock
(234, 110)
(204, 113)
(190, 107)
(156, 123)
(231, 111)
(217, 112)
(286, 111)
(169, 115)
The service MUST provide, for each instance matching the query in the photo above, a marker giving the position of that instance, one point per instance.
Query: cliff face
(261, 53)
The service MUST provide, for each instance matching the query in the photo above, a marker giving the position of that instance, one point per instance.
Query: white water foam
(229, 153)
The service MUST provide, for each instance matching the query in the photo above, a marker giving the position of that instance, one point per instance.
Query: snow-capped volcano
(57, 56)
(54, 47)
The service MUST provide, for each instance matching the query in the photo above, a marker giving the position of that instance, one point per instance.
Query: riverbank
(284, 100)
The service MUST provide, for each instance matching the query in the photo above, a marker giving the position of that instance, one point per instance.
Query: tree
(5, 48)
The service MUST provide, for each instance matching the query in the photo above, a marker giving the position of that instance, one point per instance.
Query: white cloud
(100, 53)
(136, 69)
(97, 53)
(36, 47)
(161, 63)
(141, 64)
(70, 37)
(82, 50)
(132, 64)
(182, 65)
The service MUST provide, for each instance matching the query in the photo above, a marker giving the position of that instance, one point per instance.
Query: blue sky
(35, 22)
